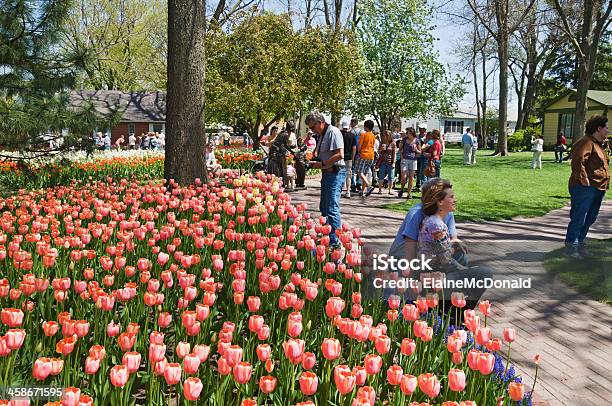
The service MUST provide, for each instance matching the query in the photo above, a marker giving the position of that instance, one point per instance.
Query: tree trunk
(586, 69)
(185, 129)
(581, 103)
(532, 75)
(335, 119)
(256, 134)
(502, 53)
(483, 124)
(520, 93)
(308, 18)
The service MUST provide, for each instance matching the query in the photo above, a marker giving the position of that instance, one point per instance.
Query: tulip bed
(14, 175)
(221, 294)
(236, 158)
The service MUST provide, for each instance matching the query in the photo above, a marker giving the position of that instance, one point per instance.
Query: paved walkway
(572, 333)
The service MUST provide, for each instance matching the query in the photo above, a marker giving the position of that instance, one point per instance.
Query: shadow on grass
(591, 276)
(494, 209)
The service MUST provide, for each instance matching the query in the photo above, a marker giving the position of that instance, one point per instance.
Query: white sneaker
(347, 195)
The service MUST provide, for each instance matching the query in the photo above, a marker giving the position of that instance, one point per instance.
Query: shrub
(521, 139)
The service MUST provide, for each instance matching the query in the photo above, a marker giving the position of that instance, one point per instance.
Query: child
(290, 177)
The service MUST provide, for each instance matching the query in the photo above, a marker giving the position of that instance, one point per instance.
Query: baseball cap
(345, 124)
(423, 126)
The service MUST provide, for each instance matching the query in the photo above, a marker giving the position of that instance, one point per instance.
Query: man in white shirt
(107, 142)
(132, 141)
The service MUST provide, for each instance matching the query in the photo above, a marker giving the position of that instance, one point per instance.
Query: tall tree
(264, 71)
(583, 22)
(327, 59)
(602, 78)
(34, 78)
(537, 44)
(502, 18)
(124, 43)
(185, 130)
(257, 73)
(399, 73)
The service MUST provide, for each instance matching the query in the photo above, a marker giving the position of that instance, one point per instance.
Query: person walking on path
(330, 154)
(421, 160)
(560, 147)
(226, 138)
(355, 180)
(467, 141)
(277, 160)
(409, 151)
(537, 146)
(588, 183)
(349, 155)
(386, 152)
(300, 164)
(366, 157)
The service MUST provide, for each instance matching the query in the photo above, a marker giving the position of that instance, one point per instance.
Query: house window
(452, 126)
(131, 129)
(157, 128)
(566, 124)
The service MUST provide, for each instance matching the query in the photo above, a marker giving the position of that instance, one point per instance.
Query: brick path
(573, 334)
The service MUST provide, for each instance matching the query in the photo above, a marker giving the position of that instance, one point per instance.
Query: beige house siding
(551, 122)
(550, 126)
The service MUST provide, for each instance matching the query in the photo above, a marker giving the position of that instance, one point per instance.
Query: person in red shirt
(434, 152)
(560, 147)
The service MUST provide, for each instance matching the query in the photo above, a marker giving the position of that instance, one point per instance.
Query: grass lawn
(591, 276)
(502, 187)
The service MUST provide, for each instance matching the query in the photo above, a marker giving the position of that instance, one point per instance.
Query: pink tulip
(192, 387)
(242, 372)
(456, 380)
(119, 375)
(172, 373)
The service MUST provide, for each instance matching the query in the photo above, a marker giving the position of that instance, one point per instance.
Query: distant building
(141, 112)
(559, 115)
(453, 125)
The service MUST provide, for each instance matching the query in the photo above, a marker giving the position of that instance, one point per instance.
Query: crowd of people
(371, 159)
(151, 141)
(375, 160)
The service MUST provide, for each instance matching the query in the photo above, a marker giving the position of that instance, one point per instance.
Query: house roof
(136, 106)
(600, 96)
(461, 114)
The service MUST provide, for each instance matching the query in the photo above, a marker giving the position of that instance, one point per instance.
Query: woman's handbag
(379, 161)
(430, 171)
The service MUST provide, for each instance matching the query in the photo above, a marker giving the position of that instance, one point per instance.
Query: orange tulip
(267, 384)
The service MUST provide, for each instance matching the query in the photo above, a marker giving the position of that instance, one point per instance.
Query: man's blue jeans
(586, 201)
(421, 165)
(329, 204)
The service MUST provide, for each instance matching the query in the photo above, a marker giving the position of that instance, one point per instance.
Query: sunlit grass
(502, 187)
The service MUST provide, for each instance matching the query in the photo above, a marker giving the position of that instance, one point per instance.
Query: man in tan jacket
(588, 183)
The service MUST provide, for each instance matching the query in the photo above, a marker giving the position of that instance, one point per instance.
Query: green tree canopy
(399, 75)
(264, 71)
(124, 43)
(35, 74)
